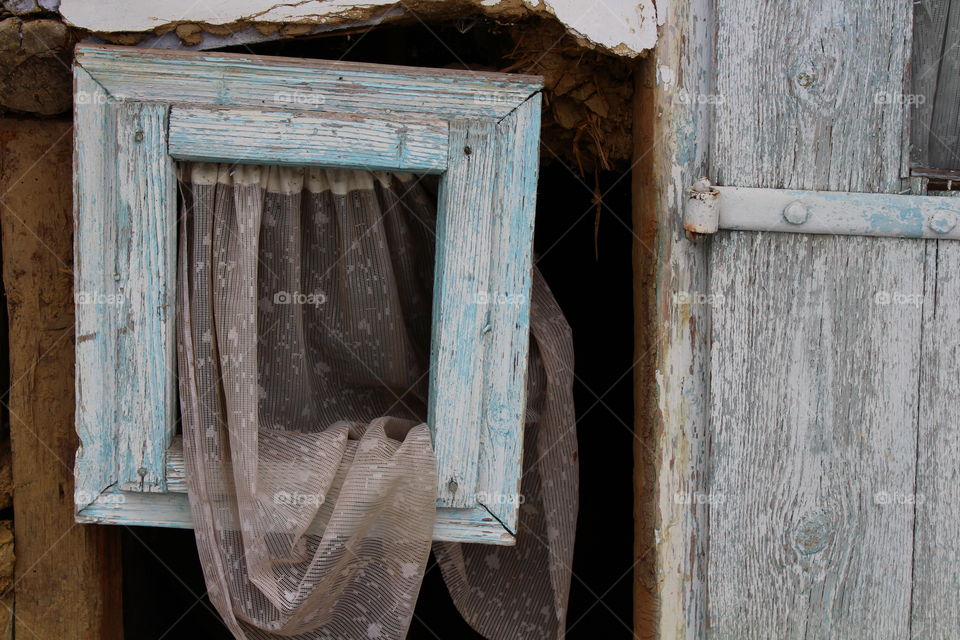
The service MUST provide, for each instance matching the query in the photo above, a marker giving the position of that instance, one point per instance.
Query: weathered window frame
(137, 111)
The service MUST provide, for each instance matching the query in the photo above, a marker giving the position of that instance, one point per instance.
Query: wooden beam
(671, 137)
(68, 575)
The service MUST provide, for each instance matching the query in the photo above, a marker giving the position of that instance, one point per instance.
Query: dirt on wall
(587, 97)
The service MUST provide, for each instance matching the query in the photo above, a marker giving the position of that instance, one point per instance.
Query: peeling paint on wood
(142, 235)
(936, 501)
(813, 411)
(305, 138)
(815, 355)
(234, 80)
(502, 417)
(671, 144)
(458, 343)
(487, 148)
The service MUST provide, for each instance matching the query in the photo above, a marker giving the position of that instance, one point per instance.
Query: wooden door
(833, 482)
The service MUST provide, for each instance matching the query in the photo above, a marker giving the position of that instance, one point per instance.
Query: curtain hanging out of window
(304, 332)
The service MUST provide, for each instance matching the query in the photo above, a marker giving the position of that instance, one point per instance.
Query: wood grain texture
(485, 209)
(461, 308)
(936, 553)
(814, 402)
(94, 206)
(142, 256)
(508, 313)
(671, 145)
(814, 369)
(224, 79)
(306, 138)
(68, 577)
(798, 88)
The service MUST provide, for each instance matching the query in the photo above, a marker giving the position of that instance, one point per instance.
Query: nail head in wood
(796, 212)
(943, 221)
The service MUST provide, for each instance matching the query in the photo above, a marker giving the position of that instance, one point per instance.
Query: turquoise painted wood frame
(137, 111)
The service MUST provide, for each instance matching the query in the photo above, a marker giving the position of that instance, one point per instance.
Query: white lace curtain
(304, 327)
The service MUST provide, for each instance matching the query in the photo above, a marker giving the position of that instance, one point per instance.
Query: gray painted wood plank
(797, 89)
(306, 138)
(936, 572)
(460, 315)
(814, 403)
(813, 378)
(143, 263)
(672, 372)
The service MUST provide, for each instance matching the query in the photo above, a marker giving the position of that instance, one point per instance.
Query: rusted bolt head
(796, 212)
(942, 221)
(452, 486)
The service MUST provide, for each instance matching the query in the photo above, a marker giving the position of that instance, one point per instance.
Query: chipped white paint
(623, 27)
(684, 55)
(664, 74)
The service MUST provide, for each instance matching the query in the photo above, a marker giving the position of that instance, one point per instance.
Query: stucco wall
(621, 27)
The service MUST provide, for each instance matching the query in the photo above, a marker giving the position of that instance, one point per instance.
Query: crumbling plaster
(621, 27)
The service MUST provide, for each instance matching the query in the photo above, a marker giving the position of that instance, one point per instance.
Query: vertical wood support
(502, 420)
(68, 575)
(458, 344)
(144, 237)
(671, 139)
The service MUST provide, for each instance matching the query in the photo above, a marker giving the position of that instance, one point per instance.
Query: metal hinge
(709, 208)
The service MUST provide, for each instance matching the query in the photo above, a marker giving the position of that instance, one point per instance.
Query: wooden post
(68, 576)
(671, 137)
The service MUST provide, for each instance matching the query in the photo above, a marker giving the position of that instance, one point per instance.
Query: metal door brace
(709, 208)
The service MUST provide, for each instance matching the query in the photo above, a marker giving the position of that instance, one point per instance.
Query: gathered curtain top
(287, 180)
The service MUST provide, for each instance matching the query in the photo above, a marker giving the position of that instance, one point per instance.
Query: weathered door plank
(814, 369)
(814, 403)
(936, 571)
